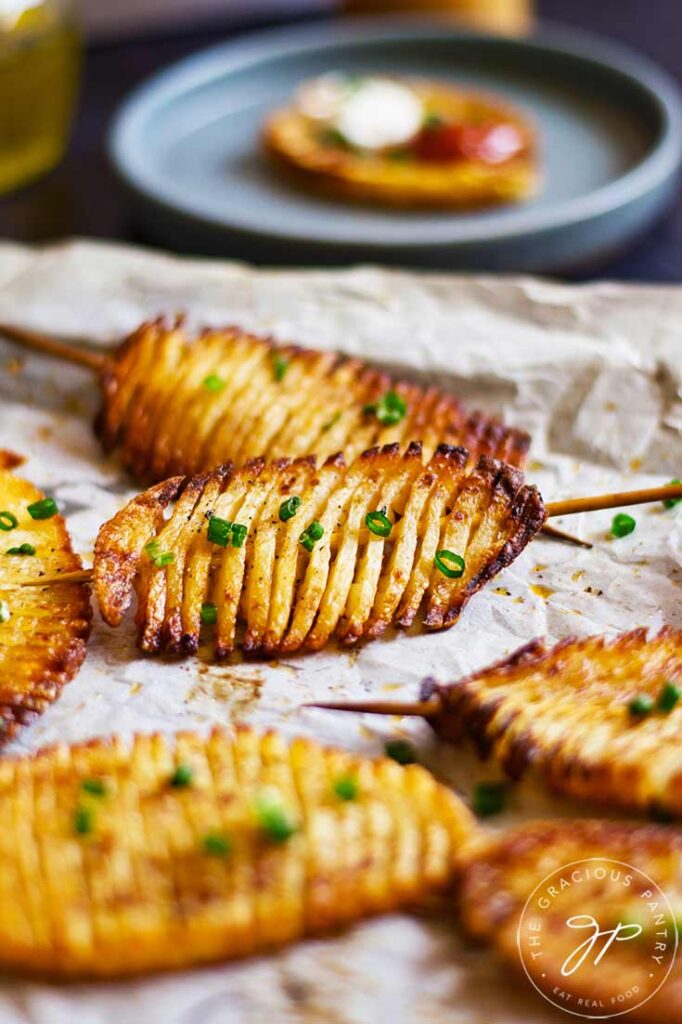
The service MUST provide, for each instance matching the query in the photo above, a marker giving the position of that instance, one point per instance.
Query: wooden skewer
(554, 508)
(51, 347)
(413, 709)
(565, 538)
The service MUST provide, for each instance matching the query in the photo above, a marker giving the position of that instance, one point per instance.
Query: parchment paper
(594, 372)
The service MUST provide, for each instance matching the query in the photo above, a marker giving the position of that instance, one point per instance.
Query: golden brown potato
(500, 875)
(44, 630)
(298, 554)
(597, 718)
(116, 860)
(172, 405)
(419, 174)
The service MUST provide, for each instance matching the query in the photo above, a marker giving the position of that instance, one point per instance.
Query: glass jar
(39, 69)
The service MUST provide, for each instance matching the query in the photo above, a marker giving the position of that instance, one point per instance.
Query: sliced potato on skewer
(118, 859)
(43, 630)
(298, 555)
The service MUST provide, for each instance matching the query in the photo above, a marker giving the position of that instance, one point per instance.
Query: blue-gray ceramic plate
(187, 146)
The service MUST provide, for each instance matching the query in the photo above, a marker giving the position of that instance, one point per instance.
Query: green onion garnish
(433, 121)
(622, 525)
(181, 777)
(213, 382)
(671, 502)
(216, 845)
(378, 523)
(389, 410)
(239, 532)
(311, 535)
(8, 521)
(23, 549)
(43, 509)
(209, 613)
(219, 531)
(5, 613)
(156, 556)
(346, 788)
(289, 508)
(400, 751)
(95, 787)
(83, 821)
(641, 705)
(490, 798)
(275, 820)
(668, 697)
(454, 569)
(280, 365)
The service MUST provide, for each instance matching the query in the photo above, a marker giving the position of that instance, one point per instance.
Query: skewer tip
(413, 709)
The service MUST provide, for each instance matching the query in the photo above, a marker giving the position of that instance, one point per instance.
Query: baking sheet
(594, 372)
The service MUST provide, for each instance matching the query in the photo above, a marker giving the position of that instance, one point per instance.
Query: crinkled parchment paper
(594, 372)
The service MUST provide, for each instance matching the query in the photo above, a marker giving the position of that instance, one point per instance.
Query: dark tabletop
(82, 196)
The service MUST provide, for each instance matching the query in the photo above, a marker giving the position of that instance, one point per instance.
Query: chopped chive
(95, 787)
(346, 788)
(181, 777)
(289, 508)
(490, 798)
(389, 410)
(213, 382)
(280, 365)
(671, 502)
(400, 751)
(333, 137)
(668, 697)
(43, 509)
(23, 549)
(330, 423)
(378, 523)
(216, 844)
(83, 820)
(209, 613)
(622, 524)
(641, 705)
(275, 820)
(239, 532)
(433, 121)
(8, 521)
(219, 531)
(156, 556)
(455, 569)
(311, 535)
(5, 613)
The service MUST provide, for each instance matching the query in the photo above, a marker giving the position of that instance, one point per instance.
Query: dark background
(82, 196)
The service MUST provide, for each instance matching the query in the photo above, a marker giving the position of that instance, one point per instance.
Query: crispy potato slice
(43, 637)
(119, 859)
(290, 592)
(500, 875)
(568, 712)
(173, 405)
(300, 147)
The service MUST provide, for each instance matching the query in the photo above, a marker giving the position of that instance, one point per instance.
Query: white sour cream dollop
(371, 113)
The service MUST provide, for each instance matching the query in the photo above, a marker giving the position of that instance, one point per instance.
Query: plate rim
(659, 165)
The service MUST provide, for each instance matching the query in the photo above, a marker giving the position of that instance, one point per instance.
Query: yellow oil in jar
(39, 67)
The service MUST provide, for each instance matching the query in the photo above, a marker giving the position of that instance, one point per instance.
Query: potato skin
(139, 889)
(42, 645)
(563, 711)
(271, 594)
(498, 874)
(267, 400)
(296, 148)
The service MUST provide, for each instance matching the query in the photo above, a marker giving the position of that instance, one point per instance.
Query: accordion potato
(500, 874)
(462, 150)
(174, 405)
(119, 859)
(43, 630)
(597, 718)
(294, 555)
